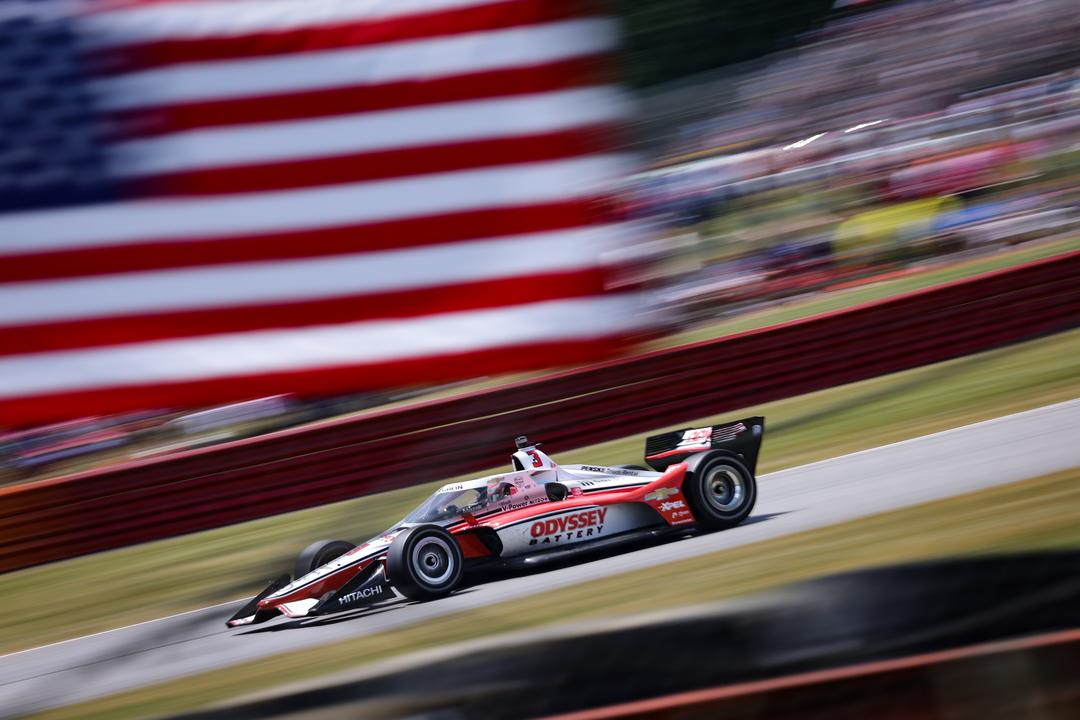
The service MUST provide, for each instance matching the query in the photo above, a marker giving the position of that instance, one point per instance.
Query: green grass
(1034, 514)
(147, 581)
(840, 299)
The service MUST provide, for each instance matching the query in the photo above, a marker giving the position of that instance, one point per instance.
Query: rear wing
(743, 438)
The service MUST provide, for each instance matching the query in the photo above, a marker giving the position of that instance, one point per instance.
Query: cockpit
(524, 486)
(499, 493)
(449, 505)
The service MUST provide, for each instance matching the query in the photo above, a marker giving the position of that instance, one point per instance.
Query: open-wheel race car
(702, 479)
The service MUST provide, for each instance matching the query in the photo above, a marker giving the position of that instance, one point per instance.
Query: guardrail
(289, 470)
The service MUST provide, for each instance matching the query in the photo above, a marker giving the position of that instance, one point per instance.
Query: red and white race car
(702, 480)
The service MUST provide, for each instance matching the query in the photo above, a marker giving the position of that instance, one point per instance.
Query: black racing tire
(425, 562)
(720, 490)
(632, 467)
(319, 553)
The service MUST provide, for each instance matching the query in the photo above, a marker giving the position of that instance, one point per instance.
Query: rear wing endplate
(742, 438)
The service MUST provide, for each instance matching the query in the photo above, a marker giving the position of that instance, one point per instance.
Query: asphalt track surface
(914, 471)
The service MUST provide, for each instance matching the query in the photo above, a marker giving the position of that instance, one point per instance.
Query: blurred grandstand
(895, 135)
(899, 134)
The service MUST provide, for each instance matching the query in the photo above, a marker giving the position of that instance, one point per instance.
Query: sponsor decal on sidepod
(661, 493)
(568, 527)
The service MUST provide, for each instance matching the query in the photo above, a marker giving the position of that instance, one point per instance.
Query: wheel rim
(724, 489)
(433, 561)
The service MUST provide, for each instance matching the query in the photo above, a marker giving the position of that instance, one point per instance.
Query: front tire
(720, 490)
(425, 562)
(319, 553)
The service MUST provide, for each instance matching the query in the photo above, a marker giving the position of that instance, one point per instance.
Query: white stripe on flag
(267, 351)
(259, 283)
(197, 20)
(307, 208)
(390, 62)
(366, 132)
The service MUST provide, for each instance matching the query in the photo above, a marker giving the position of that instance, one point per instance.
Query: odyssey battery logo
(568, 527)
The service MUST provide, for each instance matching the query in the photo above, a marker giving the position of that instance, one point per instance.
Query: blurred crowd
(892, 60)
(88, 442)
(901, 133)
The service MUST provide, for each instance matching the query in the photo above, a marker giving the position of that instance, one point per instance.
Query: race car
(701, 479)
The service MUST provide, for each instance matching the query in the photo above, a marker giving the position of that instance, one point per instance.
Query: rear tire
(319, 553)
(424, 563)
(720, 490)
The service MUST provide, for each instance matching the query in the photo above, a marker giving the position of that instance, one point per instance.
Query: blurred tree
(670, 39)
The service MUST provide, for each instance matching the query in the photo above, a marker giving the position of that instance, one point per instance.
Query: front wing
(368, 587)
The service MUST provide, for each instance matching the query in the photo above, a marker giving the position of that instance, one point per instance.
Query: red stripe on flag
(312, 381)
(381, 165)
(332, 36)
(357, 99)
(116, 330)
(389, 235)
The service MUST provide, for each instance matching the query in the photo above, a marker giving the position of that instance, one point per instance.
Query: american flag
(209, 200)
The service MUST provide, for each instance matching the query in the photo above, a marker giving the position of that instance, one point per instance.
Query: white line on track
(940, 433)
(122, 627)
